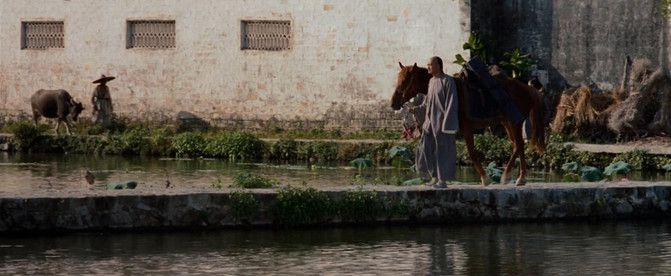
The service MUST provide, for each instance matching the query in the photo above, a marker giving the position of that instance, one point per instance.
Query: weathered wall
(131, 209)
(340, 71)
(576, 41)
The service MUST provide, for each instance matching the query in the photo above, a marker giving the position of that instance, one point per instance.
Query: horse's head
(411, 81)
(76, 108)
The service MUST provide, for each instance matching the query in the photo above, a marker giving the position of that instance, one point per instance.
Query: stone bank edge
(134, 210)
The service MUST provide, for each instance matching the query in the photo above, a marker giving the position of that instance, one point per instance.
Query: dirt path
(655, 145)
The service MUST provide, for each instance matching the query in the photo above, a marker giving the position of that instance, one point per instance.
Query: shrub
(25, 134)
(245, 146)
(161, 142)
(493, 148)
(300, 206)
(218, 146)
(136, 141)
(250, 181)
(638, 159)
(189, 144)
(284, 150)
(321, 151)
(244, 206)
(360, 205)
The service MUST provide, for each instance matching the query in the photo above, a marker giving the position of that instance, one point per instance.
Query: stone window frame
(51, 37)
(159, 37)
(274, 42)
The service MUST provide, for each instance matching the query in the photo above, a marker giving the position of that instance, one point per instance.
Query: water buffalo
(56, 104)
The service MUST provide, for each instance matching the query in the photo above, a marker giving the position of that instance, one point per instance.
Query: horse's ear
(415, 66)
(401, 64)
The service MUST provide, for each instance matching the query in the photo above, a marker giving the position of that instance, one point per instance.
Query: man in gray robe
(102, 101)
(438, 151)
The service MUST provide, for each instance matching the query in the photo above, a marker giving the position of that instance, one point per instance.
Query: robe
(437, 154)
(102, 105)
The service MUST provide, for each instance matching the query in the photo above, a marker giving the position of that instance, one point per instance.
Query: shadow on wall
(187, 121)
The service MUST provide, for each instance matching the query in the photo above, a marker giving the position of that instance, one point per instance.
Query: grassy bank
(244, 146)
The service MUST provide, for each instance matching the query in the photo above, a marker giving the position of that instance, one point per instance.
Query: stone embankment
(207, 209)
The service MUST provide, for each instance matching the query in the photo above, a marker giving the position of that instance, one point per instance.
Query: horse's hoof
(520, 182)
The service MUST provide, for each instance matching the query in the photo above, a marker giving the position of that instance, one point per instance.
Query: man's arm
(450, 123)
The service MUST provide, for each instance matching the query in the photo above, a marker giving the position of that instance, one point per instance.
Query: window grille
(266, 35)
(42, 35)
(152, 34)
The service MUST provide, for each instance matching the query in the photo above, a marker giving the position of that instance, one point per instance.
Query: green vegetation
(301, 205)
(189, 144)
(360, 206)
(251, 181)
(476, 47)
(517, 63)
(25, 134)
(304, 205)
(244, 206)
(243, 146)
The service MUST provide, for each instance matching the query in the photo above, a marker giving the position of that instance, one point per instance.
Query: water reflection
(25, 173)
(519, 249)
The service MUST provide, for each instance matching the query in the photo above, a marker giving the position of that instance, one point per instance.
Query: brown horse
(413, 80)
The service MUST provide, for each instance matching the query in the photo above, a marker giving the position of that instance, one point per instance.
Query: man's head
(435, 66)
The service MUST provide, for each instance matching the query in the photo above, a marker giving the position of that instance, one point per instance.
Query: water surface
(622, 248)
(25, 173)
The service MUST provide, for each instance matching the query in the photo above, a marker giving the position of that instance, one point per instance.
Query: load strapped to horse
(487, 97)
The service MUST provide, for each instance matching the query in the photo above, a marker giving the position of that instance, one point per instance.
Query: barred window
(42, 35)
(266, 35)
(153, 34)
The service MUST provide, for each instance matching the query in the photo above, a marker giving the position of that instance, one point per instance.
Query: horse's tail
(538, 124)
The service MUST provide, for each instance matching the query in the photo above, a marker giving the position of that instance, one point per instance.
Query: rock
(120, 186)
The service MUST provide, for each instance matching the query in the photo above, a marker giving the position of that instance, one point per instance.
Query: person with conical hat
(102, 101)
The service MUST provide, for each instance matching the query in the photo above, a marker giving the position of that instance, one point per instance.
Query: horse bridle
(412, 80)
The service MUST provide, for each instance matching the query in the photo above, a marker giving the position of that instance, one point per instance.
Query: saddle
(485, 99)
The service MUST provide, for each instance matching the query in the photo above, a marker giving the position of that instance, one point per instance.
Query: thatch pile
(645, 112)
(643, 109)
(580, 111)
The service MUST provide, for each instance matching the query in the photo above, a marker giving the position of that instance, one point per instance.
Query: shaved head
(435, 66)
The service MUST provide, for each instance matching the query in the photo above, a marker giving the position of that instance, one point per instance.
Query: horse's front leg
(521, 179)
(470, 145)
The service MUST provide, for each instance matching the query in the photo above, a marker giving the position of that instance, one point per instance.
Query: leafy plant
(639, 160)
(189, 144)
(218, 146)
(361, 163)
(284, 150)
(300, 206)
(493, 148)
(245, 146)
(244, 206)
(360, 205)
(517, 63)
(25, 134)
(136, 141)
(475, 46)
(400, 156)
(251, 181)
